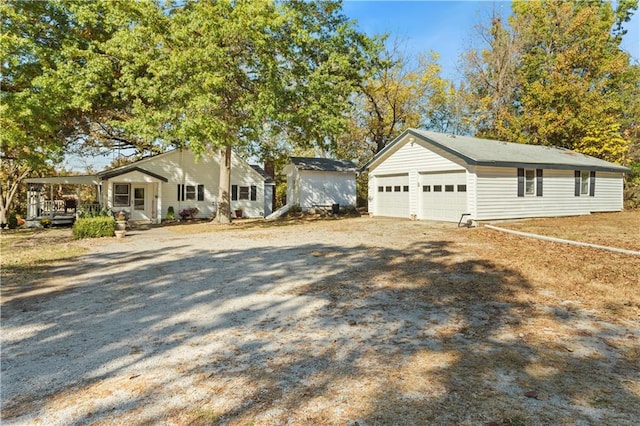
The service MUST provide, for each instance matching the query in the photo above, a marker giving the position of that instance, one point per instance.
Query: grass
(27, 255)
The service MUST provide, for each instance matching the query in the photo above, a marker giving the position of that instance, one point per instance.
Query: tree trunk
(224, 200)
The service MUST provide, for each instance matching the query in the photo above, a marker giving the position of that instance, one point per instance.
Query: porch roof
(68, 180)
(128, 169)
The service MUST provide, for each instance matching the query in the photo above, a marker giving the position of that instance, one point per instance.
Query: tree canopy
(556, 75)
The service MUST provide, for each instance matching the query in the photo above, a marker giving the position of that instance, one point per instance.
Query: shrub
(171, 213)
(94, 227)
(12, 220)
(45, 222)
(191, 212)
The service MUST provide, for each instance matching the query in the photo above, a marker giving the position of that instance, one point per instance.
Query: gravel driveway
(301, 324)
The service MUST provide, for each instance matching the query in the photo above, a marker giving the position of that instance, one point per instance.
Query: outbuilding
(435, 176)
(320, 182)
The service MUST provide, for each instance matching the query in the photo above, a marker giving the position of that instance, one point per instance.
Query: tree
(399, 94)
(224, 74)
(33, 124)
(557, 76)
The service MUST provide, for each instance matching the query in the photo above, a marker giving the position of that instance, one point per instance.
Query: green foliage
(94, 227)
(557, 76)
(171, 213)
(12, 220)
(103, 212)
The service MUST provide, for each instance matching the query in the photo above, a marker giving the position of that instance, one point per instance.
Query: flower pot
(120, 233)
(238, 214)
(121, 225)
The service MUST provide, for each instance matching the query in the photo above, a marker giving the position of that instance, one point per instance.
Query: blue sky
(443, 26)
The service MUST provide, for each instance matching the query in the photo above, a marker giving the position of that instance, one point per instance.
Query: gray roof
(267, 178)
(487, 152)
(323, 164)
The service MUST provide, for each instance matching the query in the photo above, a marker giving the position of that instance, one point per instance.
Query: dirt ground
(335, 322)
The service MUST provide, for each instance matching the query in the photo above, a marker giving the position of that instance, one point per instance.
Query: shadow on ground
(313, 333)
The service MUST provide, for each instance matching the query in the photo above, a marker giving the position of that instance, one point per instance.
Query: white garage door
(392, 196)
(443, 196)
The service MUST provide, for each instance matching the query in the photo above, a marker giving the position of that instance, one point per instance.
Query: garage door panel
(443, 196)
(393, 196)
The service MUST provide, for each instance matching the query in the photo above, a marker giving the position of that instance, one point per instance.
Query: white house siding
(181, 168)
(497, 195)
(411, 159)
(326, 188)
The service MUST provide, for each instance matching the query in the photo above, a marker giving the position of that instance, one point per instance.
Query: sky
(446, 27)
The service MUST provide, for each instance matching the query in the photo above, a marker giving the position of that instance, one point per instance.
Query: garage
(443, 195)
(393, 195)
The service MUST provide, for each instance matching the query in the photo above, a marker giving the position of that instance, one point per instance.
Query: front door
(139, 204)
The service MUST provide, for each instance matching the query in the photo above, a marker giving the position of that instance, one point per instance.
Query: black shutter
(539, 182)
(200, 192)
(180, 192)
(253, 192)
(234, 192)
(577, 184)
(592, 183)
(520, 182)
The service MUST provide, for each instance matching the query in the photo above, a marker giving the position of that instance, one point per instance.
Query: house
(148, 188)
(320, 182)
(435, 176)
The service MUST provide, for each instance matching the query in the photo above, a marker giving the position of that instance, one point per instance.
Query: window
(585, 183)
(396, 188)
(381, 189)
(529, 182)
(388, 189)
(437, 188)
(244, 193)
(190, 192)
(405, 188)
(121, 192)
(448, 188)
(462, 188)
(426, 188)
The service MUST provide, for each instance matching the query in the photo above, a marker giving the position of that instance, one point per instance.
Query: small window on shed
(381, 189)
(426, 188)
(388, 188)
(396, 188)
(448, 188)
(405, 188)
(437, 188)
(462, 188)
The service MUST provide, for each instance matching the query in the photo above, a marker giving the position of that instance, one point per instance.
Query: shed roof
(487, 152)
(323, 164)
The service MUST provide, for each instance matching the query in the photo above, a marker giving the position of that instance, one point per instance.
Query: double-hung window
(121, 194)
(585, 183)
(530, 182)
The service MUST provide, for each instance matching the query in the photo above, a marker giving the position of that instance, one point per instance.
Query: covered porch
(45, 202)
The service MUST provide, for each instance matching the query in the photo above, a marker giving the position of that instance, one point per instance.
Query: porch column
(159, 203)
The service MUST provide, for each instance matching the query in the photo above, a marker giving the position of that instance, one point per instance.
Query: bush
(104, 212)
(94, 227)
(171, 213)
(12, 221)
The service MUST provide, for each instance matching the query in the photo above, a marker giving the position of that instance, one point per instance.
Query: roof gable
(487, 152)
(323, 164)
(127, 169)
